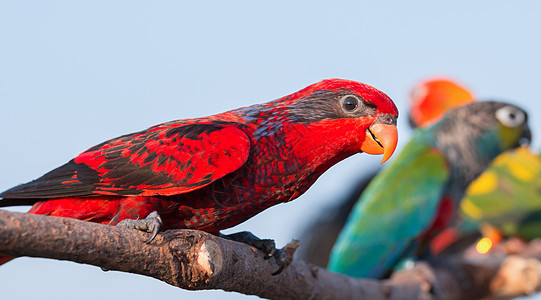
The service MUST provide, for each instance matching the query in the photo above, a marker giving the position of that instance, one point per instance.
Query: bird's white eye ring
(510, 116)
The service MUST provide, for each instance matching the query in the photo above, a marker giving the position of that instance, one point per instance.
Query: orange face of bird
(432, 98)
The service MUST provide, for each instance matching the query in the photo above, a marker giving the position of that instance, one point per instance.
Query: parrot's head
(476, 133)
(346, 115)
(430, 99)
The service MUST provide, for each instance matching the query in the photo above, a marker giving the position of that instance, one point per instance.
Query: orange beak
(380, 139)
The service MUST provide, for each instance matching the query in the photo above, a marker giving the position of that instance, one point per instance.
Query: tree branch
(197, 260)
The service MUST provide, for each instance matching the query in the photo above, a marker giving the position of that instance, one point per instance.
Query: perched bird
(506, 199)
(432, 98)
(417, 196)
(215, 172)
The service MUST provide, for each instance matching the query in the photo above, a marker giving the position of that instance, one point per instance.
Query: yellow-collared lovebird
(417, 196)
(506, 199)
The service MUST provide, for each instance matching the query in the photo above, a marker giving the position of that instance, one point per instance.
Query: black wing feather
(53, 184)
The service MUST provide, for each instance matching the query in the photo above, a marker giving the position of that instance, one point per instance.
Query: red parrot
(432, 98)
(214, 172)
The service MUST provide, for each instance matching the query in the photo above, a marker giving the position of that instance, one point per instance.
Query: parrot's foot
(152, 223)
(268, 247)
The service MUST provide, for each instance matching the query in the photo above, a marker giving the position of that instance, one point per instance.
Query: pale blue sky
(73, 74)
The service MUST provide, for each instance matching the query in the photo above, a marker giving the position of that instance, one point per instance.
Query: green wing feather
(395, 208)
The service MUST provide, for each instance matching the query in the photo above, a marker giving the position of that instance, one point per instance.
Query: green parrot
(505, 200)
(520, 181)
(417, 196)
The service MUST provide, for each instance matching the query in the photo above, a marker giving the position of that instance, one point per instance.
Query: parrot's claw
(267, 246)
(281, 260)
(152, 223)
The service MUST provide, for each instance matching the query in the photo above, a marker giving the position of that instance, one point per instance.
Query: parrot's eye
(350, 103)
(510, 116)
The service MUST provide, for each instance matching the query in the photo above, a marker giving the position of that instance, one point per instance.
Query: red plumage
(215, 172)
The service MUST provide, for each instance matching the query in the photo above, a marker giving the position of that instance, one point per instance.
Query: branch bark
(197, 260)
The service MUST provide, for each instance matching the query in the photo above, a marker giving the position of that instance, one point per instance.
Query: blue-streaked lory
(214, 172)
